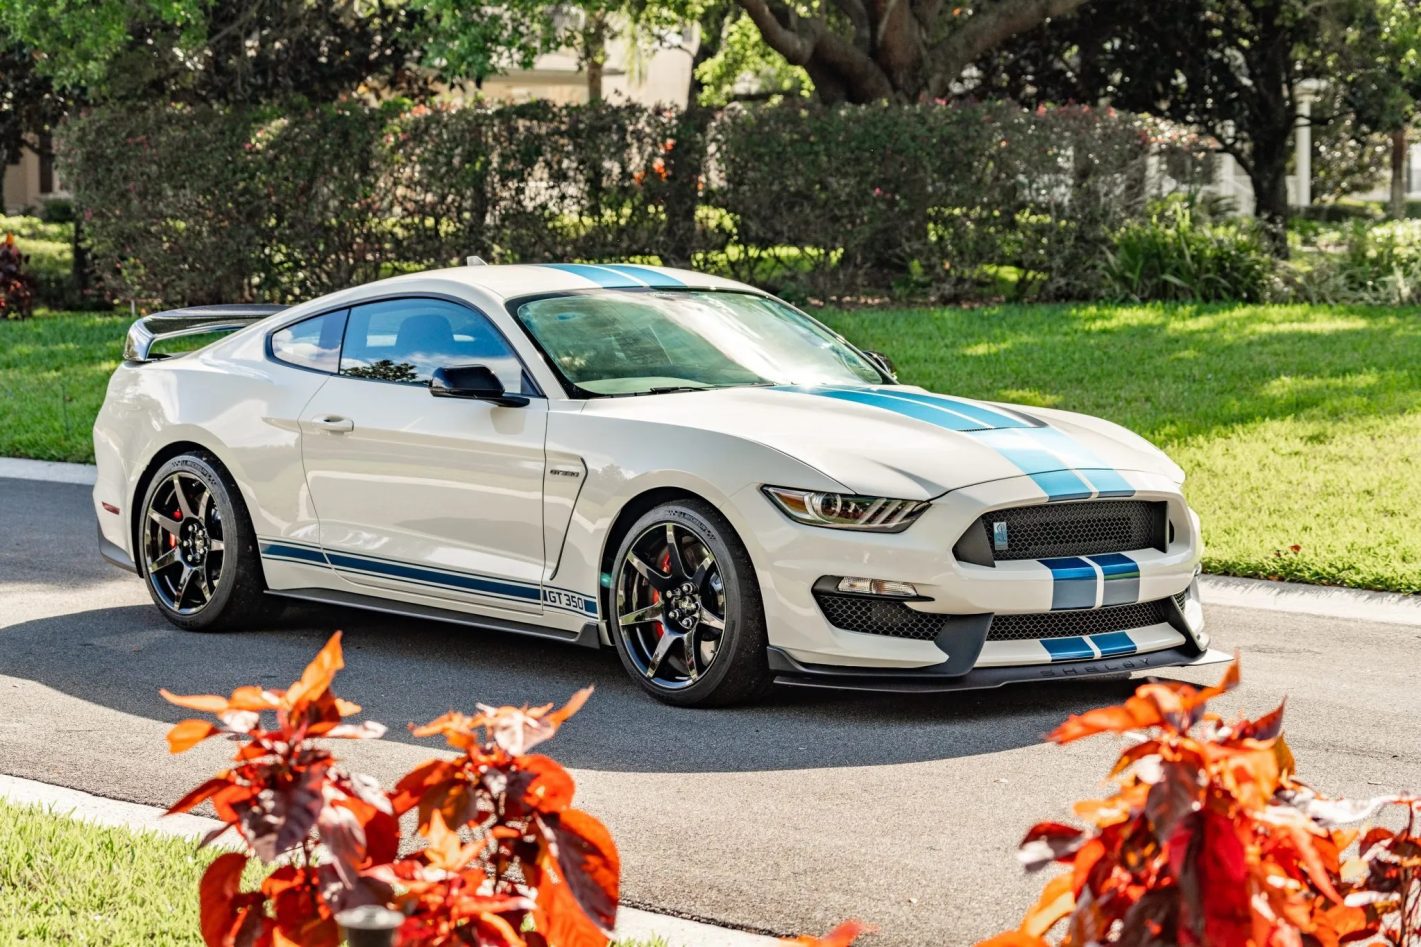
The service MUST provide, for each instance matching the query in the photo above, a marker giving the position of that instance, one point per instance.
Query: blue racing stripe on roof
(645, 274)
(603, 276)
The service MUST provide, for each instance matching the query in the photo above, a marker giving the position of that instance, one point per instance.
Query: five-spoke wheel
(197, 549)
(182, 543)
(686, 611)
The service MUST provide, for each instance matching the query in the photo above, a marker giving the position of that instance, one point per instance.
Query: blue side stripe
(469, 582)
(1067, 649)
(603, 276)
(1072, 583)
(1113, 644)
(645, 274)
(988, 418)
(300, 553)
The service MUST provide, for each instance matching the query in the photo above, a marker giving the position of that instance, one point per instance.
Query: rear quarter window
(311, 343)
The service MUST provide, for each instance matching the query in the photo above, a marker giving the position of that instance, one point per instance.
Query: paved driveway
(903, 811)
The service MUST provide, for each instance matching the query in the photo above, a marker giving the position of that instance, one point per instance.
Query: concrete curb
(632, 924)
(1295, 597)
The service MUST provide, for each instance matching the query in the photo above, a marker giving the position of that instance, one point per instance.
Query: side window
(311, 343)
(405, 340)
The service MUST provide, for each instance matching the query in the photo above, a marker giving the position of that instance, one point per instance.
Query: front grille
(877, 616)
(1069, 624)
(1064, 529)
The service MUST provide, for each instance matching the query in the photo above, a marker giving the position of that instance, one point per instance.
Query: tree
(1230, 68)
(216, 50)
(29, 104)
(1379, 57)
(869, 50)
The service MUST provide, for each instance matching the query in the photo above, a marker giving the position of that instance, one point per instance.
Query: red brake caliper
(665, 566)
(173, 539)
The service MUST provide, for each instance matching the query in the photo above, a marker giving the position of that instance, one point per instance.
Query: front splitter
(924, 681)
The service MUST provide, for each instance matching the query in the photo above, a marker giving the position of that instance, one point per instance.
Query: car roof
(524, 279)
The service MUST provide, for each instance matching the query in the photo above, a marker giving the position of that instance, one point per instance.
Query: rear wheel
(686, 611)
(197, 549)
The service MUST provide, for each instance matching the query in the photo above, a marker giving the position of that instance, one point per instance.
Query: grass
(1298, 425)
(65, 882)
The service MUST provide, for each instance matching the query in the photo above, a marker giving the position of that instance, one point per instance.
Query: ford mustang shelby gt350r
(672, 464)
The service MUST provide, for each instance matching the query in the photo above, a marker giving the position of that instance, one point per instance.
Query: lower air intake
(1070, 624)
(877, 616)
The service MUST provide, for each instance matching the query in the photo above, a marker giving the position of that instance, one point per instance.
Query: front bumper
(913, 681)
(792, 559)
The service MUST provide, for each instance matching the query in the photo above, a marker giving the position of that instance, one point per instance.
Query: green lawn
(64, 882)
(68, 883)
(1299, 426)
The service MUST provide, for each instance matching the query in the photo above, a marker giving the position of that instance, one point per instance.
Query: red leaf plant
(1210, 840)
(537, 873)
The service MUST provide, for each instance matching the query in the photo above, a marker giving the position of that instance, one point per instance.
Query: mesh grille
(1075, 529)
(1180, 598)
(876, 616)
(1069, 624)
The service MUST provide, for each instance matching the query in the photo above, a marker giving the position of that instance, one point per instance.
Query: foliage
(743, 61)
(17, 286)
(1178, 254)
(208, 204)
(215, 50)
(539, 871)
(1210, 839)
(1378, 263)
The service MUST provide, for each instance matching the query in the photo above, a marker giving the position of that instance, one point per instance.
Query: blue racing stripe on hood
(1062, 468)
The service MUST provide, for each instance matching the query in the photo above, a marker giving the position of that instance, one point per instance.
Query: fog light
(877, 587)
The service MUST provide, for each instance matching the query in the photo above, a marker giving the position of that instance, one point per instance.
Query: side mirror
(477, 382)
(883, 362)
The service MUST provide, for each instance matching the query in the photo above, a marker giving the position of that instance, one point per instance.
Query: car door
(437, 497)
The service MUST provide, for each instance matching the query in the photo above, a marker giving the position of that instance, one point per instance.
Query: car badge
(999, 536)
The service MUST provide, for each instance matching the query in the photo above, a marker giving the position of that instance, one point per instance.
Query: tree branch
(985, 30)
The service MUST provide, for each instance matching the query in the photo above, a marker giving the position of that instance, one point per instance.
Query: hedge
(191, 205)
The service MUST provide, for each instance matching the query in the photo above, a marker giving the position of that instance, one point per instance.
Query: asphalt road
(901, 811)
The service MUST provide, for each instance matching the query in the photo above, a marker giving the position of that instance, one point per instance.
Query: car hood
(908, 443)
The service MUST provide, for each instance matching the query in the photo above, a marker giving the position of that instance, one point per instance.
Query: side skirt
(586, 636)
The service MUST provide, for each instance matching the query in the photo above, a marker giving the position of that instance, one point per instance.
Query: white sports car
(672, 464)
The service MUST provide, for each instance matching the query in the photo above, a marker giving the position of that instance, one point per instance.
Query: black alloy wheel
(197, 550)
(687, 618)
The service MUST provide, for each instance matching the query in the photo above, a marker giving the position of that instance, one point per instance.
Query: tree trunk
(1268, 173)
(594, 54)
(1397, 208)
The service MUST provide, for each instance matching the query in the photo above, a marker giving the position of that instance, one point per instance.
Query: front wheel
(686, 612)
(197, 549)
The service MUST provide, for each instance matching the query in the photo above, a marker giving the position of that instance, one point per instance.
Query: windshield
(630, 343)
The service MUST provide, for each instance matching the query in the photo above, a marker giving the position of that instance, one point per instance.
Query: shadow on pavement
(405, 671)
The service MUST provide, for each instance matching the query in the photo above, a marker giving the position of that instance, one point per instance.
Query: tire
(650, 601)
(210, 578)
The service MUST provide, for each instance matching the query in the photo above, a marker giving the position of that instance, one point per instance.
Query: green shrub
(200, 204)
(1179, 254)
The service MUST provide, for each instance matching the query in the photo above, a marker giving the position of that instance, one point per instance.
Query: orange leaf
(1013, 939)
(227, 915)
(573, 705)
(187, 734)
(1057, 901)
(316, 679)
(203, 703)
(551, 788)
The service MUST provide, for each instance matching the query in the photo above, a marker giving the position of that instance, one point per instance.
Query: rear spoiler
(193, 320)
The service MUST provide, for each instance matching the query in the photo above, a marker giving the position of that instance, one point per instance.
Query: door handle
(333, 423)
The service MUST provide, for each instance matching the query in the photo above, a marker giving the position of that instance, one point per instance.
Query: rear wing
(193, 320)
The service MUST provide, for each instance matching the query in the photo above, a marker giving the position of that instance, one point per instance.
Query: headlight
(844, 511)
